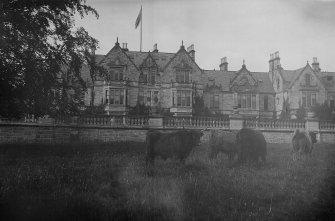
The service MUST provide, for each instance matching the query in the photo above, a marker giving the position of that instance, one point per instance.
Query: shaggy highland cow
(177, 144)
(251, 146)
(302, 142)
(220, 144)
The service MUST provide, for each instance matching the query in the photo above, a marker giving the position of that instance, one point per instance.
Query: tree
(41, 53)
(94, 69)
(301, 113)
(286, 112)
(140, 109)
(323, 111)
(199, 108)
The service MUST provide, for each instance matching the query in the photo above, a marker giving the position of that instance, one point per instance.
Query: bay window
(181, 98)
(114, 96)
(144, 97)
(246, 101)
(308, 99)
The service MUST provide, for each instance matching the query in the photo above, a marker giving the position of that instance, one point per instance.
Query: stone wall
(66, 134)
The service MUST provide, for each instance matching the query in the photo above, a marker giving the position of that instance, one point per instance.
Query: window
(266, 104)
(183, 98)
(183, 76)
(308, 79)
(116, 75)
(147, 95)
(144, 97)
(308, 99)
(247, 101)
(214, 101)
(152, 76)
(115, 96)
(107, 97)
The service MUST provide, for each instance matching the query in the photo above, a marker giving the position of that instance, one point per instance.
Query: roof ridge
(159, 52)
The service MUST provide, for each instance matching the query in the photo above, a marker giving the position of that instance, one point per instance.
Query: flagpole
(141, 30)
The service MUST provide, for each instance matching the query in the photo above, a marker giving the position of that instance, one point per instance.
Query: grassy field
(111, 182)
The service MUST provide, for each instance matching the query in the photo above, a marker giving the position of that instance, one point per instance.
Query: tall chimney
(315, 64)
(274, 62)
(155, 48)
(124, 46)
(191, 51)
(224, 64)
(271, 63)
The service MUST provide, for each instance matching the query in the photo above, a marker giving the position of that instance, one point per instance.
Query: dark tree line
(41, 56)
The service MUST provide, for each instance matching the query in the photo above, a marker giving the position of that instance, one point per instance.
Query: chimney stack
(315, 65)
(224, 64)
(124, 46)
(155, 48)
(191, 51)
(274, 62)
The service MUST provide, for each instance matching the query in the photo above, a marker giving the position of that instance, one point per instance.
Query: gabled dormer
(306, 80)
(244, 81)
(118, 64)
(183, 71)
(182, 68)
(149, 70)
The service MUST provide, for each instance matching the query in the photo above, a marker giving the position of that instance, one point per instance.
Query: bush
(140, 109)
(323, 111)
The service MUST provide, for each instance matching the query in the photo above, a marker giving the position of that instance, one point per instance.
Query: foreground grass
(111, 182)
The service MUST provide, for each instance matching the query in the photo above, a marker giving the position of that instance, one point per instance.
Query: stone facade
(169, 82)
(303, 87)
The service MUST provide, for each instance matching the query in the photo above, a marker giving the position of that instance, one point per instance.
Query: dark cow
(302, 142)
(220, 144)
(178, 144)
(251, 146)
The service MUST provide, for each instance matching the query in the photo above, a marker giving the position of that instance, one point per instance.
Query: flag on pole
(139, 18)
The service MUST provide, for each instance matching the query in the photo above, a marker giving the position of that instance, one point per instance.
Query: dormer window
(152, 75)
(149, 75)
(116, 75)
(308, 79)
(183, 76)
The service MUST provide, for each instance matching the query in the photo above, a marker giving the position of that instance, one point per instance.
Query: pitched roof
(85, 71)
(99, 57)
(161, 58)
(328, 80)
(264, 83)
(290, 75)
(218, 78)
(224, 79)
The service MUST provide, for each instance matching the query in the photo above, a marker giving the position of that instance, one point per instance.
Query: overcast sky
(237, 29)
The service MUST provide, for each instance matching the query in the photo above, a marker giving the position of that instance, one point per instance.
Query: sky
(240, 30)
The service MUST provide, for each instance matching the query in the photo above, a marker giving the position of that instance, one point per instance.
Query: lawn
(111, 182)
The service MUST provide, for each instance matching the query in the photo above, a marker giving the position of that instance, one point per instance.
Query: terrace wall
(25, 133)
(104, 129)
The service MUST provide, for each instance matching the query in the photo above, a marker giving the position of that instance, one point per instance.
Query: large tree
(41, 53)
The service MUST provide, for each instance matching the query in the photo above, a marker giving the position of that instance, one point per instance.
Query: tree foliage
(199, 108)
(301, 113)
(41, 55)
(323, 111)
(140, 109)
(286, 112)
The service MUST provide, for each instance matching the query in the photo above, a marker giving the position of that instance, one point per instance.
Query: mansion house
(169, 82)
